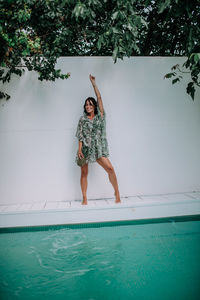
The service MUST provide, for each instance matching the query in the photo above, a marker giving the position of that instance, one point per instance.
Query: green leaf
(190, 89)
(196, 57)
(163, 5)
(99, 42)
(114, 16)
(175, 67)
(175, 80)
(115, 30)
(114, 54)
(169, 75)
(25, 52)
(186, 63)
(144, 22)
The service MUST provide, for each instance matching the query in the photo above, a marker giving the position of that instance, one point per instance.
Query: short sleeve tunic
(92, 133)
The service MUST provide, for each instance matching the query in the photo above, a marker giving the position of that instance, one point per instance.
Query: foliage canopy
(35, 33)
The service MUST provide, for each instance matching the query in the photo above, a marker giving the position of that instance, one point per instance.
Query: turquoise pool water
(146, 261)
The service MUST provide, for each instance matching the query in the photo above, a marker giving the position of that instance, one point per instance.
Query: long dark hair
(94, 103)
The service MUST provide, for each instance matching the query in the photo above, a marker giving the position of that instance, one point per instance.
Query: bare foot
(117, 196)
(117, 201)
(84, 202)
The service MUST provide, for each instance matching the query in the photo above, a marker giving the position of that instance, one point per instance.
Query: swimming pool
(134, 261)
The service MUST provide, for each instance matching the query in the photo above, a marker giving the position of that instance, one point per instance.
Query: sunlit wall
(153, 131)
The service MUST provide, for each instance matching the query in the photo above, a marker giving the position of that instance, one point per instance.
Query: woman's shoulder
(81, 118)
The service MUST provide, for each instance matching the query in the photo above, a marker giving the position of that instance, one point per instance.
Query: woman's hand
(80, 154)
(92, 79)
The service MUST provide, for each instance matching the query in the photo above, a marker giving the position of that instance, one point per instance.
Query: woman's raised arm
(96, 90)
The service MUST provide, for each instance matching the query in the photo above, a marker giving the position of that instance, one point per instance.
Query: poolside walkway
(100, 210)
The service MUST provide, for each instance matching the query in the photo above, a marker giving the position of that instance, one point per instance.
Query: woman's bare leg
(84, 173)
(106, 164)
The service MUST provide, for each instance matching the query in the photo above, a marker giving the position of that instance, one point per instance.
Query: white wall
(152, 128)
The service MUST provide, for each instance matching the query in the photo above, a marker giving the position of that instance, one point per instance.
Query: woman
(92, 141)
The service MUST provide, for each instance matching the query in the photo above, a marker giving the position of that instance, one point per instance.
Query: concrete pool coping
(139, 207)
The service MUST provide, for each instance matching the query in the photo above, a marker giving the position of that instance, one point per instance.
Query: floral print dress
(92, 133)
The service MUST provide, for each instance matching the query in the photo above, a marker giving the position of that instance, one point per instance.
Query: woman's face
(89, 106)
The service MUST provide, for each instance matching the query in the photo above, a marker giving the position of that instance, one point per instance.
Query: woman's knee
(106, 164)
(110, 169)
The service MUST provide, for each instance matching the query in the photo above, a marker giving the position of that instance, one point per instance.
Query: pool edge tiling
(98, 211)
(100, 224)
